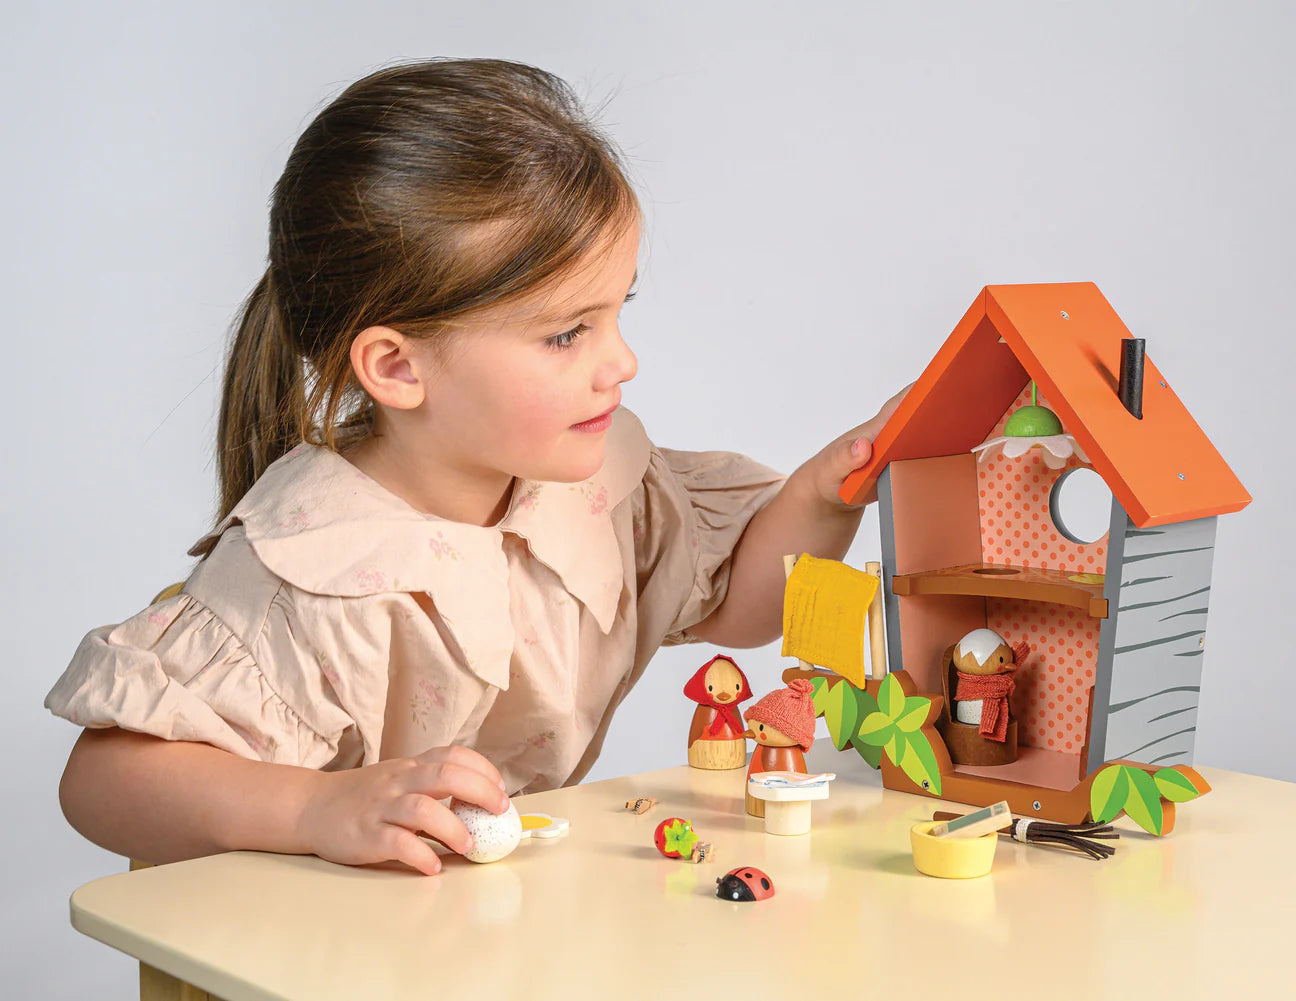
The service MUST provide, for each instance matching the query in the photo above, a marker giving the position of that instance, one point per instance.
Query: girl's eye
(563, 341)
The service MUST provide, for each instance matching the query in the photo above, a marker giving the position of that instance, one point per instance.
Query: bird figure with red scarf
(985, 663)
(716, 735)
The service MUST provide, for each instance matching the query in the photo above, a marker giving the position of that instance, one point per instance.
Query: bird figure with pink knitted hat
(783, 724)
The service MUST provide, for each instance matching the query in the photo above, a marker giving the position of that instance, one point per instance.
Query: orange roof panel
(1067, 338)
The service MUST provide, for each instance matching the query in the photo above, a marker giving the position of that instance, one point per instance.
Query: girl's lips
(600, 423)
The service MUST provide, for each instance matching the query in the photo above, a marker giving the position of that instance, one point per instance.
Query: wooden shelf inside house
(998, 580)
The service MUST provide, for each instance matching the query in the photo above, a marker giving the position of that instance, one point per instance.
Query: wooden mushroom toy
(786, 797)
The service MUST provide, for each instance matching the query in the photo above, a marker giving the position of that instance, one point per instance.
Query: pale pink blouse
(332, 625)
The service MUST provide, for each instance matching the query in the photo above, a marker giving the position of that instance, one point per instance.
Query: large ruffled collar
(325, 527)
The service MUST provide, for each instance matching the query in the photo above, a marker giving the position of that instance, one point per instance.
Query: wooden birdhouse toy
(1044, 497)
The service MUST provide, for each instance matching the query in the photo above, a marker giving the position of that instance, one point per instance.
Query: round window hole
(996, 571)
(1080, 505)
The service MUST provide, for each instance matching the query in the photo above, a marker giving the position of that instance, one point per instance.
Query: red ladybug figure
(744, 883)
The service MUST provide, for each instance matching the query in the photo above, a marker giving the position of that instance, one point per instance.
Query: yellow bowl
(951, 858)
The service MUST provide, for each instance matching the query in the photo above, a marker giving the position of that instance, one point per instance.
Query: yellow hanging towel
(825, 606)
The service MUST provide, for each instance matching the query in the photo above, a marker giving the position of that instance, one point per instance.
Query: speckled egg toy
(493, 836)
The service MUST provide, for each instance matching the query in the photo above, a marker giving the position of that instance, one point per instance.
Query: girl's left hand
(825, 472)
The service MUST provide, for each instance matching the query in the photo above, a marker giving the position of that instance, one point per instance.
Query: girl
(443, 552)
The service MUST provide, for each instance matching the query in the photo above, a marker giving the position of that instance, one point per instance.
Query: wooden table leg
(158, 986)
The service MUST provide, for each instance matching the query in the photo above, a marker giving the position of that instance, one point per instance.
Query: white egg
(493, 836)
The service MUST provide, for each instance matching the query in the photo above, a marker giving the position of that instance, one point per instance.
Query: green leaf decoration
(919, 762)
(1175, 785)
(1143, 805)
(896, 746)
(821, 691)
(891, 697)
(866, 703)
(876, 729)
(841, 714)
(869, 752)
(680, 838)
(914, 715)
(1108, 792)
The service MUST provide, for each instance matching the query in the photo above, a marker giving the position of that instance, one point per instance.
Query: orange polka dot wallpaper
(1052, 687)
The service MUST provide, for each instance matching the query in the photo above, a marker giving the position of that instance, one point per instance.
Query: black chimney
(1131, 375)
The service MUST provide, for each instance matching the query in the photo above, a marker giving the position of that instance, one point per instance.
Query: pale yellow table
(1207, 912)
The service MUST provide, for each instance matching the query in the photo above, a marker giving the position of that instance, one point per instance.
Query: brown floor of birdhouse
(1034, 766)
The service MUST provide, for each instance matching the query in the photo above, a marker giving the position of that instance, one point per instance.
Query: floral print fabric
(332, 625)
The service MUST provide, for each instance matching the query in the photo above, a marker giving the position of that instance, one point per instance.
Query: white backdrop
(827, 189)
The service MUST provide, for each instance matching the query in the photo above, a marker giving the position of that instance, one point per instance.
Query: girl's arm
(806, 516)
(163, 801)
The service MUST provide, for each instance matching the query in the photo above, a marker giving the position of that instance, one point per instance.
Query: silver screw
(1036, 804)
(1064, 315)
(1162, 381)
(1182, 477)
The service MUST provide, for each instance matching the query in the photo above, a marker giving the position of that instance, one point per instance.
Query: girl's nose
(620, 365)
(630, 365)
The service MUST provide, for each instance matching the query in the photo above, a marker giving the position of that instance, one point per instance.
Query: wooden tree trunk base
(966, 746)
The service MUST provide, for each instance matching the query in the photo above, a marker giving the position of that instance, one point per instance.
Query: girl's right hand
(375, 813)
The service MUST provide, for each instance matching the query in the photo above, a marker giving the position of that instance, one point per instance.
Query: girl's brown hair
(380, 218)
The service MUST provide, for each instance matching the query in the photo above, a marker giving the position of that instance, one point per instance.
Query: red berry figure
(674, 838)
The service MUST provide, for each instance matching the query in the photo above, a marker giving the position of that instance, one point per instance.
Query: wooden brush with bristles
(1084, 838)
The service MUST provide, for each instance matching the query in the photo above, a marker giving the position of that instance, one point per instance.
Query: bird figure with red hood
(716, 735)
(783, 724)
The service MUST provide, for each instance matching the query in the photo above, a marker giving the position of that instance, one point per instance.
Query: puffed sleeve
(688, 516)
(177, 671)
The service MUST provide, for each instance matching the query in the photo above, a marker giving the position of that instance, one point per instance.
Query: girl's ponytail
(263, 399)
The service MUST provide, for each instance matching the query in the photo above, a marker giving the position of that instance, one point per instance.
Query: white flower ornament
(1034, 427)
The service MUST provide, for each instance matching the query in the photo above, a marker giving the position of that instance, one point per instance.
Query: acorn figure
(985, 664)
(716, 734)
(782, 723)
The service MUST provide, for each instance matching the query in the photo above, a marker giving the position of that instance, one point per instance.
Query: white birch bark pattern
(1157, 642)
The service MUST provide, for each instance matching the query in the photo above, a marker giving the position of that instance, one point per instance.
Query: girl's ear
(387, 366)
